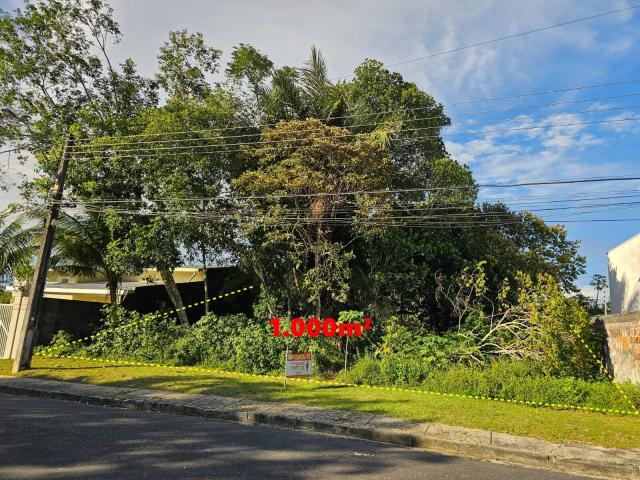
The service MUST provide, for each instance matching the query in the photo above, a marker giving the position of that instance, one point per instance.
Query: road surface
(53, 439)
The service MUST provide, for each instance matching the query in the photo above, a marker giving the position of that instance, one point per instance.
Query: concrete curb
(466, 442)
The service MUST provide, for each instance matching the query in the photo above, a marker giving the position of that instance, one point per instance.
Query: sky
(602, 50)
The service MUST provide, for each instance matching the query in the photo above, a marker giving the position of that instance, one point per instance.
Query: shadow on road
(52, 439)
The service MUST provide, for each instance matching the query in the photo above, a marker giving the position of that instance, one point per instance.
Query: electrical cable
(97, 149)
(507, 37)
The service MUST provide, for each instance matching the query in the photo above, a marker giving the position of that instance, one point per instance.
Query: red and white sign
(298, 365)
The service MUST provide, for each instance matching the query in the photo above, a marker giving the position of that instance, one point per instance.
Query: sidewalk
(473, 443)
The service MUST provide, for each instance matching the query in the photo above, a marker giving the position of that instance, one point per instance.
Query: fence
(5, 324)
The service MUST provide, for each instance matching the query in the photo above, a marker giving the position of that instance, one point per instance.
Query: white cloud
(519, 155)
(13, 174)
(621, 126)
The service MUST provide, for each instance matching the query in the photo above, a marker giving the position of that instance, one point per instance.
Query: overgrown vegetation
(526, 347)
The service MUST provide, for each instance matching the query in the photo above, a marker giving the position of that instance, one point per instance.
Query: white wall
(624, 276)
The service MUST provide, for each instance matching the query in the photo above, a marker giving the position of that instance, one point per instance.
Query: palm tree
(81, 248)
(17, 245)
(599, 282)
(301, 93)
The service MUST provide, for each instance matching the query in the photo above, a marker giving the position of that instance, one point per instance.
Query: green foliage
(59, 345)
(314, 260)
(150, 339)
(184, 60)
(5, 297)
(404, 370)
(233, 342)
(529, 318)
(239, 343)
(335, 249)
(248, 64)
(434, 351)
(81, 247)
(524, 381)
(17, 243)
(257, 350)
(512, 380)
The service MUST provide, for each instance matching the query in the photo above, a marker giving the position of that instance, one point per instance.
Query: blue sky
(597, 51)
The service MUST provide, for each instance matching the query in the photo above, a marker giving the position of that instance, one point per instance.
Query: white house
(624, 276)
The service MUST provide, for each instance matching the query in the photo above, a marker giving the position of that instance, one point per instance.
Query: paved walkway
(599, 462)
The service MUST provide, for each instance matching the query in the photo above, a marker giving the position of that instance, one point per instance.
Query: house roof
(92, 287)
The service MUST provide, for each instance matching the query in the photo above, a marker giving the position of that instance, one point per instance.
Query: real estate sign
(298, 365)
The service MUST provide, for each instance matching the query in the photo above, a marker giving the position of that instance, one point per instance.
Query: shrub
(522, 380)
(403, 370)
(216, 336)
(512, 380)
(436, 351)
(366, 371)
(529, 318)
(257, 350)
(59, 345)
(393, 369)
(150, 339)
(5, 297)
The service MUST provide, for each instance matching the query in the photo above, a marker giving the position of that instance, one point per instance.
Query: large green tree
(303, 211)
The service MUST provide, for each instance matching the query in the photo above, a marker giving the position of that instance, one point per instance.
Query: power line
(435, 117)
(419, 137)
(398, 215)
(576, 198)
(154, 148)
(405, 215)
(465, 102)
(528, 183)
(507, 37)
(479, 219)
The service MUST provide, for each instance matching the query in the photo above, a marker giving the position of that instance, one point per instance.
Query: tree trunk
(259, 273)
(319, 300)
(205, 282)
(114, 283)
(316, 265)
(113, 293)
(174, 295)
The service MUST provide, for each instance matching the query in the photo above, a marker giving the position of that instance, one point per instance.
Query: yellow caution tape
(352, 385)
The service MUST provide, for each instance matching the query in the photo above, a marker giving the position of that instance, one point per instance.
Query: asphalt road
(53, 439)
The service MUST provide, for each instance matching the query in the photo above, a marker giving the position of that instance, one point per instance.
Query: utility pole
(29, 327)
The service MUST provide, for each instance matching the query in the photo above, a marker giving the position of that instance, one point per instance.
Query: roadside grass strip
(153, 316)
(278, 378)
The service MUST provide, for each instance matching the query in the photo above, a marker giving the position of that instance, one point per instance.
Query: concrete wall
(622, 336)
(624, 276)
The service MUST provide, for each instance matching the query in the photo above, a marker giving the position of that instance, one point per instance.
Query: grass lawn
(607, 430)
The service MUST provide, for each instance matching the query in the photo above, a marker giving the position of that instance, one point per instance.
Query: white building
(624, 276)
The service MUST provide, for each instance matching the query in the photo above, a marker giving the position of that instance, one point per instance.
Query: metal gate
(5, 323)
